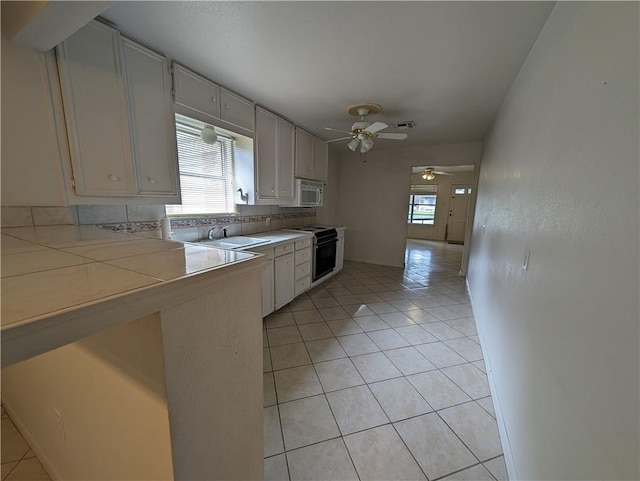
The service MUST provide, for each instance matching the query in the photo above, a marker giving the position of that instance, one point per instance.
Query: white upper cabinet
(266, 154)
(236, 110)
(311, 156)
(152, 121)
(274, 157)
(320, 159)
(284, 173)
(304, 154)
(96, 111)
(195, 92)
(119, 115)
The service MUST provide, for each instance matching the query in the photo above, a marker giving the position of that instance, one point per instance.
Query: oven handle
(325, 243)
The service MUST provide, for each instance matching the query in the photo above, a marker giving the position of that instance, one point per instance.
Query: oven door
(324, 259)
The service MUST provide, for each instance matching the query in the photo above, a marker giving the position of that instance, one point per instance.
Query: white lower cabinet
(339, 251)
(284, 275)
(267, 285)
(302, 259)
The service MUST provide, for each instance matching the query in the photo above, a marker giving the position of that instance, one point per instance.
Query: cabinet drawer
(303, 255)
(301, 244)
(283, 249)
(303, 270)
(302, 285)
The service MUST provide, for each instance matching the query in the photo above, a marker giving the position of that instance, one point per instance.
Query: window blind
(206, 173)
(424, 188)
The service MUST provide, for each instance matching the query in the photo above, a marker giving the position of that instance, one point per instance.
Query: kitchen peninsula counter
(82, 279)
(163, 339)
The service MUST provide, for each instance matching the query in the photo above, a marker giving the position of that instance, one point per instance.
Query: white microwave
(307, 194)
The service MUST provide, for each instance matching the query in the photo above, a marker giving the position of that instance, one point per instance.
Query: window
(422, 204)
(206, 171)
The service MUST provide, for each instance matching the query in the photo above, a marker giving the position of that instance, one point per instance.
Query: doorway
(458, 212)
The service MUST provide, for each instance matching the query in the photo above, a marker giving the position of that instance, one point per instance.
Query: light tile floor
(378, 374)
(19, 463)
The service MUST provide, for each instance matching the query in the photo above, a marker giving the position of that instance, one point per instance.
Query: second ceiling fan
(362, 132)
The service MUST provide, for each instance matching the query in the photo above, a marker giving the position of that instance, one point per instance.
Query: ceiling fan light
(367, 143)
(353, 145)
(428, 174)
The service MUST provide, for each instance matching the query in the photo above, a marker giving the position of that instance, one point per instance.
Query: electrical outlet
(60, 424)
(268, 221)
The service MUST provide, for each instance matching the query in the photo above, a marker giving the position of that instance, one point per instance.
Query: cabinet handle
(152, 181)
(114, 178)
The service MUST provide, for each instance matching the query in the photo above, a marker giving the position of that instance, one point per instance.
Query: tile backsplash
(145, 219)
(30, 216)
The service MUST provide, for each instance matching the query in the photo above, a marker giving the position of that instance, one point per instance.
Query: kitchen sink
(235, 242)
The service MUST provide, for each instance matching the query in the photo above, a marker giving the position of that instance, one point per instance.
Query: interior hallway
(378, 374)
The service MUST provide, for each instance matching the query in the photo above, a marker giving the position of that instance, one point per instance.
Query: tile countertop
(82, 278)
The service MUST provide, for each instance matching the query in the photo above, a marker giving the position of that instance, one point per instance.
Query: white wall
(33, 148)
(559, 177)
(110, 390)
(374, 196)
(437, 230)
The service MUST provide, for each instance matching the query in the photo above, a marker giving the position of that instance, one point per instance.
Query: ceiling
(445, 65)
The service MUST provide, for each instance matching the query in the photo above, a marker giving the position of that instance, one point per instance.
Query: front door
(458, 207)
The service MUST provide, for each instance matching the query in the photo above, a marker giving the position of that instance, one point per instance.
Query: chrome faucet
(211, 235)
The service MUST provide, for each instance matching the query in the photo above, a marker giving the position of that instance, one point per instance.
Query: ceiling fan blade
(336, 130)
(335, 140)
(442, 173)
(376, 126)
(392, 136)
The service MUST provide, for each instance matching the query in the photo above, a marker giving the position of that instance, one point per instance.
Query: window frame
(430, 190)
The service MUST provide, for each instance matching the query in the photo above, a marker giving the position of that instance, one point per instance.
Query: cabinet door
(196, 92)
(304, 154)
(339, 254)
(236, 110)
(266, 149)
(284, 280)
(286, 142)
(320, 159)
(267, 289)
(96, 112)
(152, 120)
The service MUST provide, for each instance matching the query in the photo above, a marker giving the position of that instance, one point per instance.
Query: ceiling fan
(430, 174)
(362, 132)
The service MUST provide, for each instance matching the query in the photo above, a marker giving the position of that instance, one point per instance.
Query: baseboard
(31, 441)
(502, 428)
